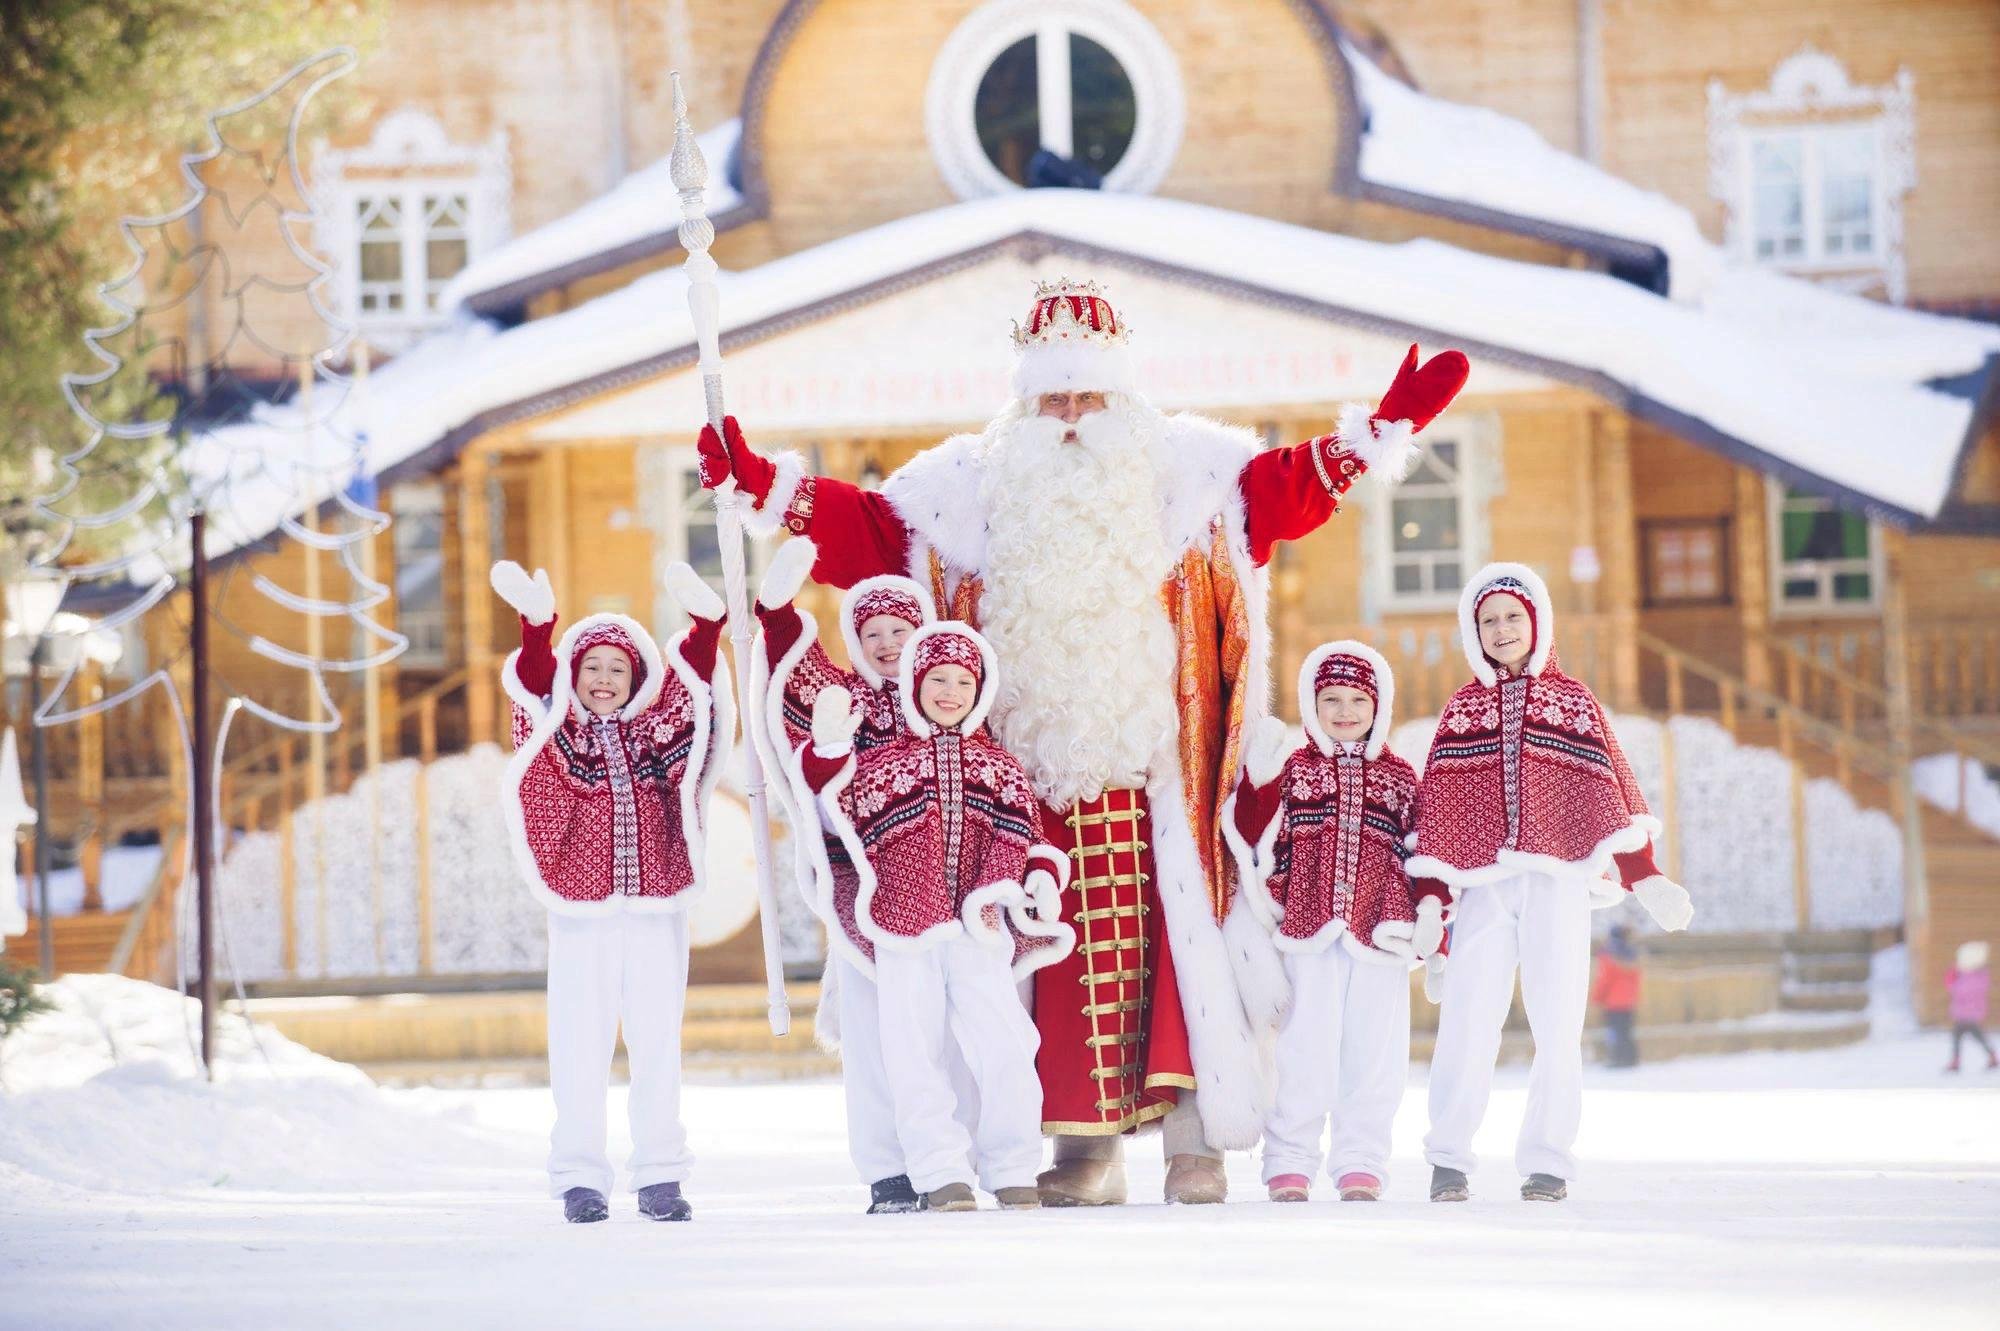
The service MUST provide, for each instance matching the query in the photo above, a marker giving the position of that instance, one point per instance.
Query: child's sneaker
(1449, 1185)
(1359, 1187)
(1018, 1199)
(1543, 1188)
(583, 1206)
(893, 1196)
(663, 1201)
(1289, 1188)
(951, 1197)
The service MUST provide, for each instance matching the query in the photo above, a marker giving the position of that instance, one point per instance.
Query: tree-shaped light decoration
(220, 362)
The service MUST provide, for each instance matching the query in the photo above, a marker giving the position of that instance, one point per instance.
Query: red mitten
(1419, 394)
(753, 474)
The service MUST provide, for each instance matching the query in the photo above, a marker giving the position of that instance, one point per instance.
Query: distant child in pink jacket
(1968, 984)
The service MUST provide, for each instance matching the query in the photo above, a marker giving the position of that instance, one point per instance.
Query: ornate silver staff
(697, 233)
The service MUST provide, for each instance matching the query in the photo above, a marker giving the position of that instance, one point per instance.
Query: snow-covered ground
(1856, 1187)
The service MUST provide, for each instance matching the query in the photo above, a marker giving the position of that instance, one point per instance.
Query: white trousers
(1343, 1050)
(960, 992)
(1541, 924)
(872, 1143)
(604, 970)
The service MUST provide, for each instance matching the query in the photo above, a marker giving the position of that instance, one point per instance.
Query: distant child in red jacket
(1615, 991)
(1969, 984)
(1317, 833)
(617, 746)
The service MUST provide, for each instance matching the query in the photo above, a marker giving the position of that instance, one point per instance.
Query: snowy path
(1849, 1188)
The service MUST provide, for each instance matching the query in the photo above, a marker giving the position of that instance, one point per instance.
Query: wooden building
(1702, 261)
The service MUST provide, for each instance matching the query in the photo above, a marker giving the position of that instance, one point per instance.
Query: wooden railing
(261, 789)
(1954, 668)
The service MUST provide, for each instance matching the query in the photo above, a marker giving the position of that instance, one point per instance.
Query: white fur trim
(715, 716)
(1232, 1089)
(1077, 365)
(1387, 448)
(690, 593)
(906, 686)
(1200, 466)
(790, 565)
(769, 519)
(936, 494)
(1385, 695)
(850, 632)
(1545, 619)
(1261, 982)
(1509, 863)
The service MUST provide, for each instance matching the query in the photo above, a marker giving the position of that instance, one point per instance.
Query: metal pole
(697, 233)
(198, 785)
(45, 933)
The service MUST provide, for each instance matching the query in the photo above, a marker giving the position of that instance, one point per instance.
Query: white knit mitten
(1264, 755)
(531, 597)
(1666, 901)
(835, 719)
(787, 572)
(1429, 935)
(1044, 895)
(691, 593)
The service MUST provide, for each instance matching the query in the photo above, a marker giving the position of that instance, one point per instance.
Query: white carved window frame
(1822, 571)
(1810, 95)
(1481, 480)
(409, 157)
(1159, 98)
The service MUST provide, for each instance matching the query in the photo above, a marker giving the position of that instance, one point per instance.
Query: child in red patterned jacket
(959, 898)
(1317, 833)
(617, 747)
(1526, 804)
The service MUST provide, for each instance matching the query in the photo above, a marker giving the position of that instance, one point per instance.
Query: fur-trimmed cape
(562, 789)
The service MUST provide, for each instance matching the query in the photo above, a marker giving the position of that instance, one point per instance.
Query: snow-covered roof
(1470, 155)
(637, 217)
(1825, 388)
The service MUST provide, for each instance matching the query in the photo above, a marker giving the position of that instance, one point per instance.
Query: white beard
(1071, 599)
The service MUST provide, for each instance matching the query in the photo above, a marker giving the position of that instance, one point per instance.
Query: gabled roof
(1830, 392)
(636, 219)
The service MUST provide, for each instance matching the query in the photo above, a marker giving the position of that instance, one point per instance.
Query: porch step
(1793, 1032)
(502, 1027)
(1824, 998)
(83, 942)
(1826, 969)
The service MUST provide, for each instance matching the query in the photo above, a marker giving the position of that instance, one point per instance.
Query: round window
(1088, 82)
(1086, 92)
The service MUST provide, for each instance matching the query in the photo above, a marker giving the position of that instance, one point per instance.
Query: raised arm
(699, 646)
(535, 602)
(857, 531)
(1289, 492)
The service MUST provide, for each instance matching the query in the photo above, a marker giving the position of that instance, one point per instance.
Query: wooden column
(549, 539)
(1752, 575)
(1618, 554)
(1896, 683)
(90, 786)
(476, 595)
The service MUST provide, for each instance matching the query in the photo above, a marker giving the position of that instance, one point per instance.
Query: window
(1813, 170)
(1686, 562)
(1427, 527)
(1088, 80)
(409, 241)
(420, 606)
(1423, 537)
(1824, 556)
(403, 214)
(1813, 196)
